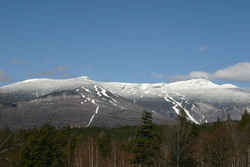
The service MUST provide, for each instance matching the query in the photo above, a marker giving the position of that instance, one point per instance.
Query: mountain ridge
(84, 102)
(201, 82)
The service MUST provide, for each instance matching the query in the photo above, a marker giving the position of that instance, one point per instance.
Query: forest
(184, 144)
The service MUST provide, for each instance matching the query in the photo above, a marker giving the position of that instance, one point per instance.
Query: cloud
(199, 74)
(238, 72)
(3, 77)
(58, 70)
(203, 48)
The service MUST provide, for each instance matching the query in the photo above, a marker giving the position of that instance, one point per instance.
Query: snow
(95, 113)
(202, 89)
(228, 86)
(175, 105)
(178, 104)
(87, 90)
(82, 95)
(176, 109)
(97, 91)
(45, 86)
(132, 88)
(34, 80)
(191, 88)
(104, 92)
(161, 89)
(193, 84)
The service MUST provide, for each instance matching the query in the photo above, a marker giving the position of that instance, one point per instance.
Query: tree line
(184, 144)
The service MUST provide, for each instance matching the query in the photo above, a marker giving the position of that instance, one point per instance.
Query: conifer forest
(184, 144)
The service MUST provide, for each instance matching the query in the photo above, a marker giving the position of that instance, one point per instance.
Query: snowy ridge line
(176, 104)
(161, 89)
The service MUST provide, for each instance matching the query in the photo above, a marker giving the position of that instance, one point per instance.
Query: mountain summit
(84, 102)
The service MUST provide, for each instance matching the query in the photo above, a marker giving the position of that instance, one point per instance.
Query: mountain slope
(84, 102)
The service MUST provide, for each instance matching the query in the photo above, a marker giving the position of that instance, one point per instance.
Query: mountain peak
(84, 77)
(198, 84)
(193, 84)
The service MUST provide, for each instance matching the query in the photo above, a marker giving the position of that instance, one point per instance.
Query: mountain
(81, 102)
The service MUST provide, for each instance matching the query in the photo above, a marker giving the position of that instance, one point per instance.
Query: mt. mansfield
(81, 102)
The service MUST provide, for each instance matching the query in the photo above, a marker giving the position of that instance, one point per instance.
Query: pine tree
(44, 148)
(146, 147)
(245, 120)
(104, 145)
(6, 144)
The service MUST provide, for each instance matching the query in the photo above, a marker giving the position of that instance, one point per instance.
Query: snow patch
(82, 95)
(176, 105)
(87, 90)
(104, 92)
(93, 116)
(97, 91)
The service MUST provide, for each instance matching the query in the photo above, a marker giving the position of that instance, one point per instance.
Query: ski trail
(93, 116)
(97, 91)
(88, 99)
(176, 104)
(104, 92)
(95, 113)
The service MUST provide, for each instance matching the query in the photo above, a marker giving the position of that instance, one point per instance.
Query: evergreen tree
(245, 120)
(104, 145)
(44, 149)
(146, 147)
(181, 141)
(6, 144)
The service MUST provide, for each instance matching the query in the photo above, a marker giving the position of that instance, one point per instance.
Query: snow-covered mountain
(84, 102)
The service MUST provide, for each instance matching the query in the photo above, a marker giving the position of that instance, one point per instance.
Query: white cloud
(3, 77)
(199, 74)
(238, 72)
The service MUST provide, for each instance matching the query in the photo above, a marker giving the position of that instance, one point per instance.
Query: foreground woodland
(184, 144)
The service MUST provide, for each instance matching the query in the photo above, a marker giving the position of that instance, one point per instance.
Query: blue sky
(128, 41)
